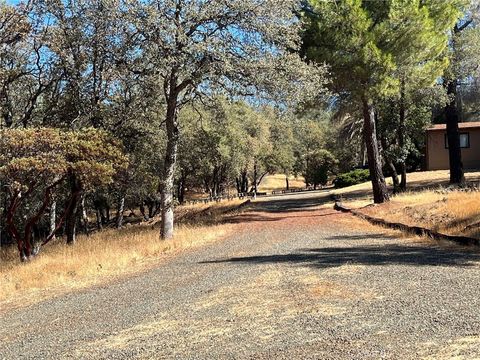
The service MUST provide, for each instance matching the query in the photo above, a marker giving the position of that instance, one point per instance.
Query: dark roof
(463, 125)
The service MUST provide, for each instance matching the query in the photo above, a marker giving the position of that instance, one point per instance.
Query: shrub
(319, 165)
(353, 177)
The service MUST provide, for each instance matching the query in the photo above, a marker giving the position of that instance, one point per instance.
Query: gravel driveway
(294, 282)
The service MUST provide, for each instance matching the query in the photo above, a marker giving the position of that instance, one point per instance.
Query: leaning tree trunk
(167, 188)
(453, 135)
(380, 192)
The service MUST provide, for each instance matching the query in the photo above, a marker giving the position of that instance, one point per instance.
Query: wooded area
(109, 107)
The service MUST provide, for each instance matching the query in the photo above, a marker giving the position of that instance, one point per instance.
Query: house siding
(437, 154)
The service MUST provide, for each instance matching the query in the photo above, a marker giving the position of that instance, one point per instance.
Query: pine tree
(367, 44)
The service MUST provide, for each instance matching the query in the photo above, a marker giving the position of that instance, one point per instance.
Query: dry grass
(428, 203)
(277, 182)
(452, 212)
(206, 214)
(417, 180)
(104, 256)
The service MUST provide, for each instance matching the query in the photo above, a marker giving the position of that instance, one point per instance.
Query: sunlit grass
(450, 212)
(420, 179)
(105, 255)
(277, 182)
(429, 203)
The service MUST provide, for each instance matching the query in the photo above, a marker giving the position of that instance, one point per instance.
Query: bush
(319, 165)
(353, 177)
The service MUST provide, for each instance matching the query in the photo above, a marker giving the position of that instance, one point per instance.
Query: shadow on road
(365, 255)
(292, 203)
(255, 217)
(380, 236)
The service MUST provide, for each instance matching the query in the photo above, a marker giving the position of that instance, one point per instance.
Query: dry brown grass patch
(454, 212)
(417, 180)
(100, 257)
(277, 182)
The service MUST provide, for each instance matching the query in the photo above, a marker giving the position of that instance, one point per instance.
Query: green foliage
(366, 42)
(320, 164)
(39, 157)
(282, 158)
(348, 36)
(381, 55)
(225, 139)
(350, 178)
(35, 162)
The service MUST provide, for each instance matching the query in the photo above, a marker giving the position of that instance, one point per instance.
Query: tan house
(437, 146)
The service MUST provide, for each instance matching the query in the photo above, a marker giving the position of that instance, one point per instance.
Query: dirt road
(293, 282)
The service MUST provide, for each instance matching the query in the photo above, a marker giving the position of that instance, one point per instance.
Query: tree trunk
(151, 209)
(107, 213)
(287, 184)
(214, 188)
(158, 207)
(389, 162)
(453, 135)
(380, 192)
(120, 210)
(244, 181)
(401, 139)
(71, 225)
(83, 213)
(103, 217)
(363, 152)
(167, 189)
(98, 214)
(142, 211)
(36, 241)
(180, 196)
(238, 185)
(71, 212)
(396, 182)
(52, 217)
(255, 175)
(181, 188)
